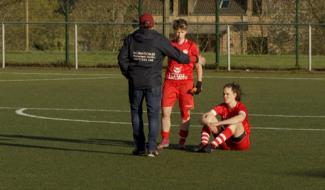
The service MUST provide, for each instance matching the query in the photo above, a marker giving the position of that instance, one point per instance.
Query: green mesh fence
(262, 33)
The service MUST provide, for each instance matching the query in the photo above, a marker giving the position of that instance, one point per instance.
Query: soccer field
(66, 129)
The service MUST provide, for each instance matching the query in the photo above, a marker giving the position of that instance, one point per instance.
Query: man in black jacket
(141, 62)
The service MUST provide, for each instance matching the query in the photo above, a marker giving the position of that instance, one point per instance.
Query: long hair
(235, 88)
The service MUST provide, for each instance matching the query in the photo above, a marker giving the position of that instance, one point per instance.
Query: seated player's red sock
(205, 135)
(222, 137)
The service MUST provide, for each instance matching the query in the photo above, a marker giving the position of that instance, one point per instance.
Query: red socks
(182, 136)
(222, 137)
(205, 135)
(165, 135)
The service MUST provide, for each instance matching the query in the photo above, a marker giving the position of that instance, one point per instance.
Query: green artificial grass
(91, 149)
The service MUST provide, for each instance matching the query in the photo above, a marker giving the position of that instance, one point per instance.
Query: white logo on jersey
(177, 70)
(185, 51)
(176, 74)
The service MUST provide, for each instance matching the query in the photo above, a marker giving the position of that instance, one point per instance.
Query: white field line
(265, 78)
(54, 79)
(206, 76)
(193, 113)
(62, 74)
(287, 116)
(287, 129)
(21, 112)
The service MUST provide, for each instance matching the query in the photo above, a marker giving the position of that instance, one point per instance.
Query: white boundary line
(54, 79)
(21, 112)
(266, 78)
(287, 129)
(63, 74)
(206, 76)
(284, 116)
(193, 113)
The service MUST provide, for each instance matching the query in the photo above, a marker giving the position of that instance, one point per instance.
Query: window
(242, 3)
(171, 7)
(183, 7)
(257, 7)
(224, 4)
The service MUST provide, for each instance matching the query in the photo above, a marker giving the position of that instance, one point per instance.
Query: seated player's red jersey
(225, 113)
(177, 71)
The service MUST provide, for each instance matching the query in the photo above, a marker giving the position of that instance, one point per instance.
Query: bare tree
(281, 35)
(313, 12)
(7, 7)
(113, 14)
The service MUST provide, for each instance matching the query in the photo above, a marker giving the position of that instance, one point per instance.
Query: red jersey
(177, 71)
(225, 113)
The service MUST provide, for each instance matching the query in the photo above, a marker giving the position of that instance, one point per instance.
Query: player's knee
(205, 129)
(185, 116)
(208, 120)
(165, 115)
(236, 128)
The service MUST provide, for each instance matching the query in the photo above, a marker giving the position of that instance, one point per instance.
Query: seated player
(233, 130)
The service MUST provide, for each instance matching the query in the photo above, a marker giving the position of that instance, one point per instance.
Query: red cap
(146, 21)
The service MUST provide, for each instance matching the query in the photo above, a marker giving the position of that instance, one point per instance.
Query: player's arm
(200, 60)
(172, 52)
(199, 75)
(210, 120)
(233, 120)
(199, 70)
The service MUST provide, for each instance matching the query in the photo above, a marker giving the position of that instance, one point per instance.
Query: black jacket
(141, 58)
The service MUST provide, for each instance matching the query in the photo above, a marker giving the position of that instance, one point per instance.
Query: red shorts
(231, 144)
(174, 90)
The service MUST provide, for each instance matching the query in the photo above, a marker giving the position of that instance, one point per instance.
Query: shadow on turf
(188, 148)
(316, 173)
(108, 142)
(102, 142)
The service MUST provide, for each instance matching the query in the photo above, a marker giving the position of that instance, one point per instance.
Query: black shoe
(153, 154)
(137, 152)
(202, 148)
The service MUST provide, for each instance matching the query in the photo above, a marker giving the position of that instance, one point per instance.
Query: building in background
(245, 39)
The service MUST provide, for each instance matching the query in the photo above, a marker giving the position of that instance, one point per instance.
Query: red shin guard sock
(221, 138)
(205, 135)
(182, 136)
(165, 135)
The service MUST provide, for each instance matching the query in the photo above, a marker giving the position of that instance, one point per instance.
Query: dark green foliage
(63, 4)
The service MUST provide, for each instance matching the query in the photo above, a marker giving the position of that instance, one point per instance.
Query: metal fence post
(297, 32)
(27, 25)
(228, 47)
(76, 45)
(310, 49)
(166, 18)
(67, 52)
(140, 7)
(217, 23)
(3, 46)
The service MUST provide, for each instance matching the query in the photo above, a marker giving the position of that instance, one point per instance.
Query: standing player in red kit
(233, 130)
(179, 85)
